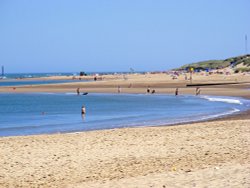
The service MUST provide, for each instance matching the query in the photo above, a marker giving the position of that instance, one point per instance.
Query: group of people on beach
(149, 90)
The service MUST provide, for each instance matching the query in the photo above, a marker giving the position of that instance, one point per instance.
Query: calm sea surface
(34, 82)
(18, 79)
(26, 114)
(38, 75)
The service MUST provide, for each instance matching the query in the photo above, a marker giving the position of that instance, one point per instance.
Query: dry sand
(214, 154)
(205, 154)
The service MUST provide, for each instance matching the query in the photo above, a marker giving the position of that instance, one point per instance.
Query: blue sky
(116, 35)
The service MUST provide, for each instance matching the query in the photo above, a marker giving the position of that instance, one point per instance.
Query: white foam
(226, 100)
(234, 110)
(202, 118)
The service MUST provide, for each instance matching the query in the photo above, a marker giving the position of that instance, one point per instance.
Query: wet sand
(213, 153)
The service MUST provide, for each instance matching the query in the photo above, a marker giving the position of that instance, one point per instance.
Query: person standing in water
(177, 91)
(83, 110)
(78, 91)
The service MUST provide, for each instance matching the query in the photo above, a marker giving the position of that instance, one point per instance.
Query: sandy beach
(228, 85)
(214, 154)
(204, 154)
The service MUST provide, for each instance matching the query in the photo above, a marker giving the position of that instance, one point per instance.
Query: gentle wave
(226, 100)
(234, 110)
(208, 117)
(176, 122)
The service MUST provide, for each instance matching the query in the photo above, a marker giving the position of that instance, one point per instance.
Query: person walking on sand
(119, 89)
(78, 91)
(177, 91)
(197, 91)
(83, 110)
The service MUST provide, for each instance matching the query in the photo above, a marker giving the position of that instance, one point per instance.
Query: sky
(116, 35)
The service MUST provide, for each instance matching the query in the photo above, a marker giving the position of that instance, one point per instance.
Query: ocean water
(17, 79)
(38, 75)
(14, 82)
(40, 113)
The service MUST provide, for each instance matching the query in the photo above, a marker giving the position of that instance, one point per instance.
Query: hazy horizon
(114, 36)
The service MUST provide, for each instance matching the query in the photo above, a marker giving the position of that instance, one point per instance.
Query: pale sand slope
(214, 154)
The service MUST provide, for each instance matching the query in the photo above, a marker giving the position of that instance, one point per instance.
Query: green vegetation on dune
(214, 64)
(242, 69)
(245, 62)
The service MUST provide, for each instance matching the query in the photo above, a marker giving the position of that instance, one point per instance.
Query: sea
(49, 113)
(20, 79)
(36, 75)
(48, 74)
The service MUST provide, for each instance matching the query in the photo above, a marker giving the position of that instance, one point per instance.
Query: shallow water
(25, 114)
